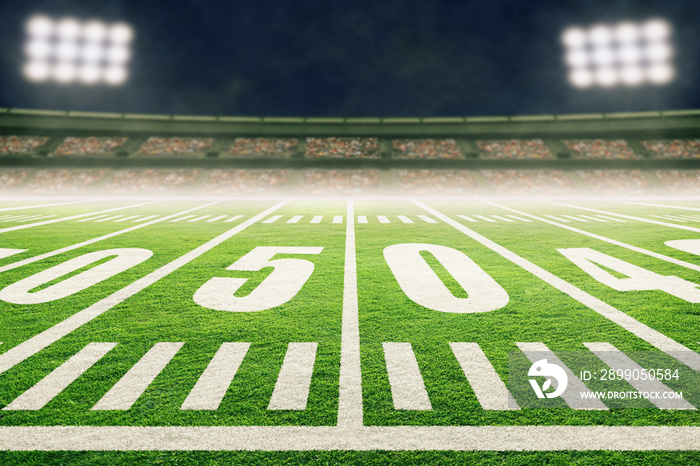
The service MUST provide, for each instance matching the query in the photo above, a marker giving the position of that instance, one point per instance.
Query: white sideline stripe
(468, 219)
(361, 219)
(397, 438)
(612, 218)
(670, 217)
(60, 378)
(316, 219)
(593, 218)
(629, 217)
(233, 219)
(216, 218)
(519, 218)
(407, 387)
(198, 218)
(295, 219)
(572, 396)
(427, 219)
(91, 218)
(482, 377)
(404, 219)
(124, 393)
(616, 359)
(656, 255)
(498, 217)
(109, 218)
(696, 209)
(7, 209)
(557, 219)
(127, 218)
(148, 218)
(651, 336)
(182, 218)
(383, 219)
(95, 240)
(350, 379)
(485, 218)
(35, 344)
(575, 218)
(212, 385)
(292, 388)
(338, 219)
(272, 219)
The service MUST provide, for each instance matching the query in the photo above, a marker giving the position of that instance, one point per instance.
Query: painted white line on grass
(383, 219)
(42, 217)
(651, 336)
(147, 218)
(593, 218)
(689, 217)
(613, 219)
(575, 218)
(697, 209)
(35, 344)
(128, 218)
(6, 252)
(124, 393)
(7, 209)
(573, 396)
(60, 378)
(617, 360)
(427, 219)
(216, 218)
(212, 385)
(295, 219)
(404, 219)
(361, 219)
(272, 219)
(485, 218)
(670, 217)
(316, 219)
(519, 218)
(95, 240)
(198, 218)
(109, 218)
(182, 218)
(407, 387)
(338, 219)
(350, 380)
(468, 219)
(646, 252)
(482, 377)
(503, 219)
(292, 388)
(18, 218)
(558, 219)
(233, 219)
(91, 218)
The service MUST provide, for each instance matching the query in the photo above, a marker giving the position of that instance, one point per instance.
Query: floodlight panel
(581, 78)
(68, 29)
(67, 51)
(120, 34)
(37, 71)
(660, 74)
(606, 77)
(656, 30)
(92, 53)
(94, 31)
(574, 38)
(601, 36)
(603, 56)
(578, 58)
(40, 27)
(658, 52)
(38, 49)
(115, 75)
(632, 75)
(117, 55)
(627, 33)
(64, 72)
(90, 74)
(629, 54)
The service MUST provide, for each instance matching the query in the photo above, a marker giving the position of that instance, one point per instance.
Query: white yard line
(128, 218)
(361, 219)
(7, 209)
(670, 217)
(468, 219)
(407, 387)
(619, 220)
(486, 219)
(295, 219)
(182, 218)
(216, 218)
(109, 218)
(144, 219)
(338, 219)
(294, 381)
(518, 218)
(89, 219)
(233, 219)
(35, 344)
(667, 206)
(316, 219)
(557, 219)
(426, 219)
(404, 219)
(503, 219)
(593, 218)
(198, 218)
(383, 219)
(272, 219)
(575, 218)
(482, 377)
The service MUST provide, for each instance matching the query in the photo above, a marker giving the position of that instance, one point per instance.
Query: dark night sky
(350, 58)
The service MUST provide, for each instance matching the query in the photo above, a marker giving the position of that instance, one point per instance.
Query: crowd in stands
(445, 182)
(426, 149)
(10, 179)
(263, 146)
(674, 149)
(175, 146)
(601, 148)
(148, 180)
(342, 147)
(616, 182)
(340, 182)
(245, 181)
(682, 182)
(88, 146)
(515, 149)
(529, 182)
(62, 181)
(20, 144)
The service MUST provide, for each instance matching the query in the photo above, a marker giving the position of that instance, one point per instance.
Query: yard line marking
(316, 219)
(6, 252)
(612, 218)
(407, 387)
(128, 218)
(234, 218)
(593, 218)
(617, 360)
(689, 217)
(646, 252)
(72, 217)
(482, 377)
(427, 219)
(361, 219)
(519, 218)
(642, 331)
(35, 344)
(404, 219)
(485, 218)
(131, 386)
(198, 218)
(696, 209)
(669, 217)
(60, 378)
(216, 218)
(17, 218)
(292, 387)
(557, 219)
(383, 219)
(182, 218)
(468, 219)
(109, 218)
(573, 394)
(148, 218)
(629, 217)
(212, 385)
(575, 218)
(498, 217)
(350, 380)
(272, 219)
(91, 218)
(677, 217)
(295, 219)
(100, 238)
(7, 209)
(338, 219)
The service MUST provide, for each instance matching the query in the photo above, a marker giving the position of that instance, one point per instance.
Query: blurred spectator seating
(616, 182)
(65, 181)
(10, 179)
(242, 147)
(340, 182)
(426, 149)
(515, 149)
(674, 149)
(88, 146)
(175, 146)
(601, 149)
(342, 147)
(245, 181)
(21, 144)
(445, 182)
(682, 182)
(148, 180)
(529, 182)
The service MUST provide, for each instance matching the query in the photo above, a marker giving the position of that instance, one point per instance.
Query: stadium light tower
(68, 51)
(627, 54)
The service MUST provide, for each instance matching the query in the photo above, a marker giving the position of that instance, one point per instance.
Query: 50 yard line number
(417, 279)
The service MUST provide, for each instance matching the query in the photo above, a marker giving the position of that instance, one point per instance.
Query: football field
(297, 330)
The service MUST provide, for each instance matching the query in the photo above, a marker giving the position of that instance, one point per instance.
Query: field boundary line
(6, 209)
(695, 209)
